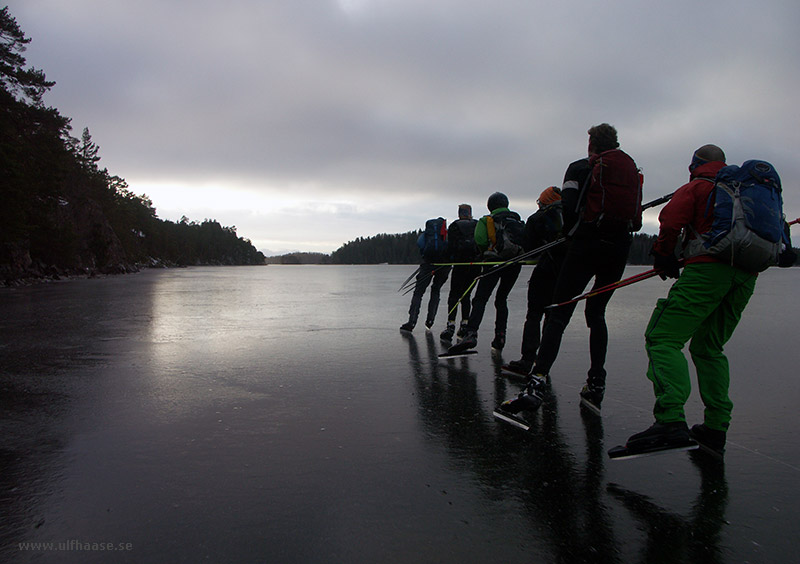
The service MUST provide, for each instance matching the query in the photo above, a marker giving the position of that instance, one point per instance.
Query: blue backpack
(747, 230)
(433, 241)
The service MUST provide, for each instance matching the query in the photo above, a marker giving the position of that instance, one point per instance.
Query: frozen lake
(277, 414)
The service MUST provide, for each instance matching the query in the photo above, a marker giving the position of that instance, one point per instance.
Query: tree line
(63, 214)
(402, 248)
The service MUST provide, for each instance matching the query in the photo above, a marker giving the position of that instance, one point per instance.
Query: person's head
(549, 196)
(706, 154)
(465, 211)
(497, 200)
(602, 137)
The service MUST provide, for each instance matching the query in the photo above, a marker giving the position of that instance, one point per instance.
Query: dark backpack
(506, 233)
(544, 226)
(747, 230)
(434, 245)
(462, 242)
(613, 192)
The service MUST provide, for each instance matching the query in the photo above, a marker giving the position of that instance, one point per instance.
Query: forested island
(62, 214)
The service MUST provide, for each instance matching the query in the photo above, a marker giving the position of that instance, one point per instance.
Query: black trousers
(506, 279)
(461, 279)
(541, 286)
(427, 273)
(587, 257)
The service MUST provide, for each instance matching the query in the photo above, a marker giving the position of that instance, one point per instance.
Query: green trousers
(704, 306)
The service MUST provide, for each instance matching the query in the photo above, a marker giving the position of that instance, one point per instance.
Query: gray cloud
(400, 109)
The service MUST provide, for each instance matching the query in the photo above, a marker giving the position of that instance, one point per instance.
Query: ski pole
(657, 201)
(613, 286)
(480, 263)
(413, 274)
(475, 281)
(469, 289)
(523, 256)
(619, 284)
(794, 221)
(412, 287)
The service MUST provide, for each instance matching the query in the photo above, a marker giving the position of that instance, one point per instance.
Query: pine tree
(24, 84)
(87, 152)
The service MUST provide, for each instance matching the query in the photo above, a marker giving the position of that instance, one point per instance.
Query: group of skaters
(583, 231)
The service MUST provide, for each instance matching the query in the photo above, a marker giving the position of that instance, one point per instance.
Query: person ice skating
(494, 237)
(602, 203)
(702, 308)
(462, 249)
(432, 245)
(544, 226)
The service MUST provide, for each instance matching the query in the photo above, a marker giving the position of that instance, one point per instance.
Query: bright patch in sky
(352, 6)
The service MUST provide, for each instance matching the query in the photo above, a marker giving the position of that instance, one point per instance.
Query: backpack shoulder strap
(709, 205)
(491, 231)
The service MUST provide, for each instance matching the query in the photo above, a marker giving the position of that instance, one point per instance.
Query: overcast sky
(309, 123)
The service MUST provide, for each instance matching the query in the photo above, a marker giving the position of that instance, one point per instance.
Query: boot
(521, 367)
(592, 397)
(470, 341)
(710, 439)
(524, 402)
(447, 334)
(661, 436)
(499, 341)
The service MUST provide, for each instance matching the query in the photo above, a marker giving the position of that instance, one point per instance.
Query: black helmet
(497, 200)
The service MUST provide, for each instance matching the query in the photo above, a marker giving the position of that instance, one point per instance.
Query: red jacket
(688, 209)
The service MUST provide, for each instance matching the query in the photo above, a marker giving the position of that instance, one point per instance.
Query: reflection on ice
(232, 413)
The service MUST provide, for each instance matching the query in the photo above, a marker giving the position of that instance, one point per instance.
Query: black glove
(667, 266)
(787, 258)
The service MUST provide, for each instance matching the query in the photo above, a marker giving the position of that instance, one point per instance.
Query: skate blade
(511, 419)
(444, 356)
(590, 407)
(621, 452)
(513, 373)
(710, 452)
